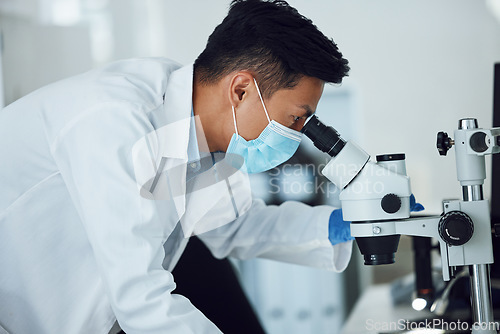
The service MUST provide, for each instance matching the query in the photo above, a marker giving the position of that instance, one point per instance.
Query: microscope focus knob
(444, 143)
(391, 203)
(456, 228)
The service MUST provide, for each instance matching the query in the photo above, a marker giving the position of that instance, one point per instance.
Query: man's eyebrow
(308, 110)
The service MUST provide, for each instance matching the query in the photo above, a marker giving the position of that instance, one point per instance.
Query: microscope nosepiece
(378, 250)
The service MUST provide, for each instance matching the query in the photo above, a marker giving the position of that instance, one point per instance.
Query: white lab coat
(80, 246)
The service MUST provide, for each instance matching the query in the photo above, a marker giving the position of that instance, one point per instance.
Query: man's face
(289, 107)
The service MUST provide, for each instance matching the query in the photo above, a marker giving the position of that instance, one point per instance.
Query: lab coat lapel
(172, 162)
(160, 157)
(174, 138)
(160, 172)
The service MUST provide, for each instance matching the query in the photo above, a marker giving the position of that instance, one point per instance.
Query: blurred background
(416, 68)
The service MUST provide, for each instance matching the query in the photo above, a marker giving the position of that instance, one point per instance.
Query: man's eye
(296, 118)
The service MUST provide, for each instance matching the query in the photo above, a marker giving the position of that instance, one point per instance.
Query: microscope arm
(463, 232)
(423, 227)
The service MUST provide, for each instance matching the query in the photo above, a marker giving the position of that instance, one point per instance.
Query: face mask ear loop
(261, 100)
(234, 119)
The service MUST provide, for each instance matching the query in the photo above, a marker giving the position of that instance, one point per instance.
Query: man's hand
(414, 206)
(339, 230)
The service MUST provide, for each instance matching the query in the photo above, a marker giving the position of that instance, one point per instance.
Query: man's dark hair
(274, 42)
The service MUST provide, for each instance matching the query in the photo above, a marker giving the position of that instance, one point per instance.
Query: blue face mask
(275, 145)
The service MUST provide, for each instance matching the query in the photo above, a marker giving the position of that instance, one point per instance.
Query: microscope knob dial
(456, 228)
(391, 203)
(444, 143)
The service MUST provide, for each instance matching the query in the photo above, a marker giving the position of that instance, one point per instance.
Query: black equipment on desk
(495, 177)
(422, 247)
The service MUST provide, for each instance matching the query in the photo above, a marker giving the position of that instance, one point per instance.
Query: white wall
(2, 99)
(35, 55)
(416, 66)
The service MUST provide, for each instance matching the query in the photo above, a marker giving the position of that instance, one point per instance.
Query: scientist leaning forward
(105, 175)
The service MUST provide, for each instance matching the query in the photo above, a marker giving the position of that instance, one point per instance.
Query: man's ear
(238, 87)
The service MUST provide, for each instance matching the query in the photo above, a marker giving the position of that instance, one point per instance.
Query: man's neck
(208, 104)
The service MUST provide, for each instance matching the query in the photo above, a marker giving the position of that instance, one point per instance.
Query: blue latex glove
(414, 206)
(339, 230)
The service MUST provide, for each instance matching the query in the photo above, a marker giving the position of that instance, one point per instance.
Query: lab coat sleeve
(126, 231)
(292, 232)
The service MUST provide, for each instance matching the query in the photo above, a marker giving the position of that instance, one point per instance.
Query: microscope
(375, 197)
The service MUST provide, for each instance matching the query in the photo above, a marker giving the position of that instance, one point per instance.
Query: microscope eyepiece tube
(325, 138)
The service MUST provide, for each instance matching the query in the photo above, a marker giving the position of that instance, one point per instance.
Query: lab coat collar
(177, 106)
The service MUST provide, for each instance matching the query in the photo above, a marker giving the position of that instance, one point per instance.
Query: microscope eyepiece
(325, 138)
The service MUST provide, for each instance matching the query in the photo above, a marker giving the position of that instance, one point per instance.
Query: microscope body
(371, 191)
(375, 197)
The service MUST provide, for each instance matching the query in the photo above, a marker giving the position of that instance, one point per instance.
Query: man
(105, 176)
